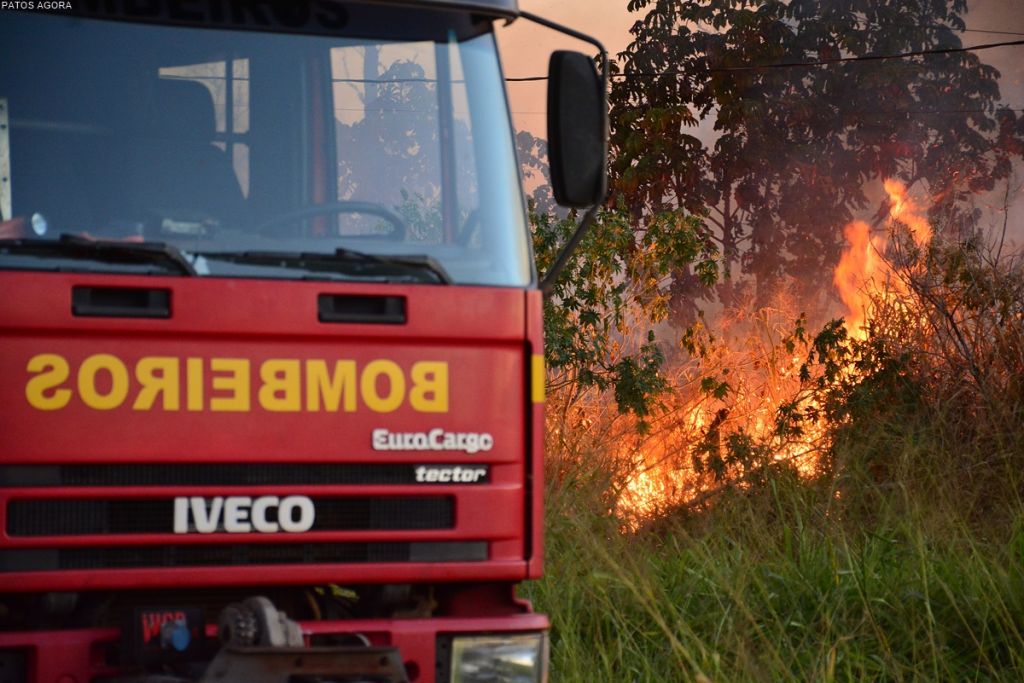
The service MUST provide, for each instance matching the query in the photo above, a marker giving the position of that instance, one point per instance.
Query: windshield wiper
(103, 251)
(345, 261)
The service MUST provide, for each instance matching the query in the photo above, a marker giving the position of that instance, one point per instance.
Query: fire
(762, 378)
(858, 264)
(754, 373)
(648, 491)
(864, 275)
(658, 478)
(906, 211)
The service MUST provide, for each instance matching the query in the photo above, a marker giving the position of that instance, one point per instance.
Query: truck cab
(272, 358)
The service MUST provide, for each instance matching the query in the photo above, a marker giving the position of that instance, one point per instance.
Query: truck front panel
(242, 437)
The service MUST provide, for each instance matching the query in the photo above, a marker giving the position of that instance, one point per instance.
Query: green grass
(780, 584)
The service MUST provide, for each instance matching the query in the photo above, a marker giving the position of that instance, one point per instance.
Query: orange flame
(906, 211)
(863, 275)
(857, 265)
(761, 381)
(761, 374)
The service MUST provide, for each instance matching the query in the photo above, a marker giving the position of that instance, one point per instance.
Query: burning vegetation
(920, 313)
(738, 313)
(753, 392)
(754, 406)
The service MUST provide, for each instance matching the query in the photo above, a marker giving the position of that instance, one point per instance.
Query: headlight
(512, 658)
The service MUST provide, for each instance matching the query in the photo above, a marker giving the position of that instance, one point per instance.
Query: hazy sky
(526, 46)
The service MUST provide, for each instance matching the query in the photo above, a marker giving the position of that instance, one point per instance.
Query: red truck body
(487, 338)
(271, 348)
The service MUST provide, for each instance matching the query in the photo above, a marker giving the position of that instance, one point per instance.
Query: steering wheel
(343, 206)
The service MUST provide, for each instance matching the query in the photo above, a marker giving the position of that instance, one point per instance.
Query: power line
(928, 26)
(792, 65)
(958, 30)
(872, 58)
(882, 112)
(984, 30)
(939, 111)
(723, 69)
(939, 27)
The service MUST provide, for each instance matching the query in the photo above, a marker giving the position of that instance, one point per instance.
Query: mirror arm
(586, 39)
(547, 285)
(555, 26)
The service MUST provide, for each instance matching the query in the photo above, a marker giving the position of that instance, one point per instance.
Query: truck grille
(130, 516)
(239, 555)
(175, 515)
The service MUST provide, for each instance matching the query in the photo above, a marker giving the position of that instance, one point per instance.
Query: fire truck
(271, 362)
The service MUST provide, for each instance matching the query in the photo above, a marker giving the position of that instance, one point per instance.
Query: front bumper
(85, 655)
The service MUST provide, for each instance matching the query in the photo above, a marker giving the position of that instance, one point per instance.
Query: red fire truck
(271, 372)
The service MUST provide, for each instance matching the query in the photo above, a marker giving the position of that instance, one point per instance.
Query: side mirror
(577, 130)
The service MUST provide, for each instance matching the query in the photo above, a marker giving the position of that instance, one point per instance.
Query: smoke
(990, 22)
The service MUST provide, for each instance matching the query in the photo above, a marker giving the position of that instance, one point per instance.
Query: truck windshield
(254, 154)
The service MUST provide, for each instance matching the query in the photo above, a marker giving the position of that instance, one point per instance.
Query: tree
(600, 316)
(793, 147)
(391, 153)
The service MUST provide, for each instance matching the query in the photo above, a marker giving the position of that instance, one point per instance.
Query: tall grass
(781, 585)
